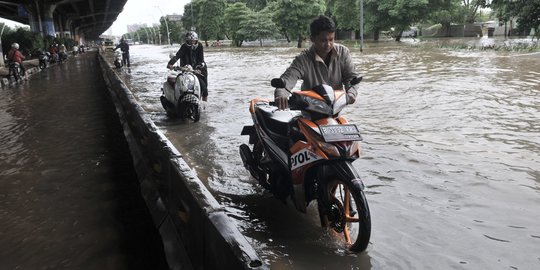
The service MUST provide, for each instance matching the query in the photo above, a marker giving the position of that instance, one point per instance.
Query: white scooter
(182, 93)
(118, 60)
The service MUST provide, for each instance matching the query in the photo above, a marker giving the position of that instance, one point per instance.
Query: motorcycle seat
(275, 120)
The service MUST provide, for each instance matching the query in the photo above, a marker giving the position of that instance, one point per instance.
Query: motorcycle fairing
(190, 99)
(171, 79)
(322, 99)
(272, 148)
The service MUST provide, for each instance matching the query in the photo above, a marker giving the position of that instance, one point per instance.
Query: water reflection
(451, 155)
(68, 192)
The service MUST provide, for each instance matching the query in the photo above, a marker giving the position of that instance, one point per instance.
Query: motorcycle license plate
(340, 133)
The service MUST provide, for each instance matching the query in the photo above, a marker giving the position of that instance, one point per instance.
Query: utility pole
(166, 26)
(361, 25)
(1, 52)
(192, 20)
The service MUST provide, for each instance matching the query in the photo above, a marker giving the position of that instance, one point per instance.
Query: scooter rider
(124, 47)
(14, 55)
(191, 53)
(325, 62)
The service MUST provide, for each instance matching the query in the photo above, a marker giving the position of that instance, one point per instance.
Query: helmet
(15, 45)
(192, 39)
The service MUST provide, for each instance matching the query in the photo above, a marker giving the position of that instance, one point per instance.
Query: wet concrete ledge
(196, 232)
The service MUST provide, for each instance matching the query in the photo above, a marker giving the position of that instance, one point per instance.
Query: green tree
(178, 31)
(258, 26)
(446, 12)
(175, 30)
(471, 9)
(255, 5)
(395, 15)
(210, 19)
(191, 14)
(347, 15)
(29, 42)
(235, 16)
(294, 16)
(527, 13)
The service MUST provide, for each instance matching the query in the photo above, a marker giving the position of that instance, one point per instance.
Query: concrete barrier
(196, 232)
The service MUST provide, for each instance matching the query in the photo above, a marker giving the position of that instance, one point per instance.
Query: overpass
(81, 18)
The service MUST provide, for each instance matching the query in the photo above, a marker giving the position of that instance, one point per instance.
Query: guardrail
(196, 232)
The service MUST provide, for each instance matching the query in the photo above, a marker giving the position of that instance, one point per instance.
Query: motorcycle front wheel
(42, 65)
(347, 213)
(193, 112)
(187, 110)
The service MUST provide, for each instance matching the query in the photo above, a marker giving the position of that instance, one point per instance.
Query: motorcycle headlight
(329, 149)
(189, 82)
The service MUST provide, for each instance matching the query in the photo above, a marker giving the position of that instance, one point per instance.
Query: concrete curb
(196, 232)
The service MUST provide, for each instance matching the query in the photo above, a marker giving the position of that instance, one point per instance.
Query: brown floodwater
(69, 195)
(451, 155)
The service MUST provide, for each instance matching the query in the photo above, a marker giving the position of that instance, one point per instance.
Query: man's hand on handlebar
(282, 102)
(170, 66)
(351, 98)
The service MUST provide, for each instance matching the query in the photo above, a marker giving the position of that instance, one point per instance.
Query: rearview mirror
(356, 80)
(277, 83)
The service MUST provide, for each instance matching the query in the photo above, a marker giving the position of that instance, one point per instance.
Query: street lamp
(166, 25)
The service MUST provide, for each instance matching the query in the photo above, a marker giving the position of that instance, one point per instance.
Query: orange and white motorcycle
(306, 153)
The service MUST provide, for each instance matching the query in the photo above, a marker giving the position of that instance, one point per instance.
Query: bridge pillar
(41, 18)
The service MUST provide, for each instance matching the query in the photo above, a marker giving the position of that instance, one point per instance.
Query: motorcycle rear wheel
(16, 72)
(348, 213)
(168, 106)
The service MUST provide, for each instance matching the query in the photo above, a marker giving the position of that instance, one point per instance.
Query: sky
(146, 11)
(138, 11)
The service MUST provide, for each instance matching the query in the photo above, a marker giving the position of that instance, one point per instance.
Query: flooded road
(69, 195)
(451, 155)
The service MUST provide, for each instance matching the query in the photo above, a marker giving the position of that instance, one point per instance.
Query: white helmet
(15, 45)
(192, 39)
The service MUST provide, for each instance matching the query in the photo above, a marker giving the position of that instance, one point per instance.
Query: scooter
(118, 59)
(43, 59)
(53, 58)
(305, 154)
(15, 71)
(182, 93)
(62, 56)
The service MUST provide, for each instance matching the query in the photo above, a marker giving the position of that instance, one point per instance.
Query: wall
(196, 232)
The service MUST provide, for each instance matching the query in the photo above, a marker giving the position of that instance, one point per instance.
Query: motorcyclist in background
(14, 55)
(124, 47)
(191, 53)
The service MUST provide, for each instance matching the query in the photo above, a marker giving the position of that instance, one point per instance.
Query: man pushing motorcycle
(305, 154)
(191, 53)
(325, 62)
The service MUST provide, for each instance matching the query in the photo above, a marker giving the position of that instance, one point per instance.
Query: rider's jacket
(188, 56)
(15, 55)
(311, 68)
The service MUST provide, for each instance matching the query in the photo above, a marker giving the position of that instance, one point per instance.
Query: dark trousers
(204, 85)
(125, 56)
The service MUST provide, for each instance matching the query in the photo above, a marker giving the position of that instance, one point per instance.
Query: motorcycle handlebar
(186, 69)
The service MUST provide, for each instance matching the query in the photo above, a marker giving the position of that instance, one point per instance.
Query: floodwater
(69, 195)
(450, 155)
